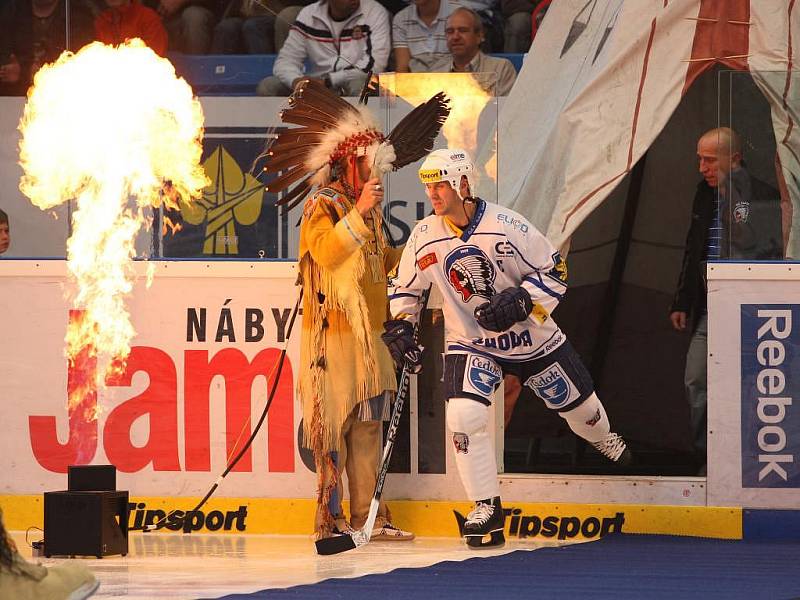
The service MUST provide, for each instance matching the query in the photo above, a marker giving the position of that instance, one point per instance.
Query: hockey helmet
(448, 164)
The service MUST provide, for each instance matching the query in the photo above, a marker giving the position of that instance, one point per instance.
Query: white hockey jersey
(499, 249)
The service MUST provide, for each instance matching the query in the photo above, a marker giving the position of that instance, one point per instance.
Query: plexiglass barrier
(753, 183)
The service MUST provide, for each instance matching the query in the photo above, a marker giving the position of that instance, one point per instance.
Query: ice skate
(613, 447)
(484, 525)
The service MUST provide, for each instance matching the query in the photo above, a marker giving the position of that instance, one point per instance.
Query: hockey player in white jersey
(500, 279)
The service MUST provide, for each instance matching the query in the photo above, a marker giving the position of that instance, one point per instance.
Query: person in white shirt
(500, 280)
(418, 37)
(335, 41)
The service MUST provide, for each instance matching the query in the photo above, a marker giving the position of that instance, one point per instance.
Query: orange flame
(170, 226)
(468, 98)
(106, 128)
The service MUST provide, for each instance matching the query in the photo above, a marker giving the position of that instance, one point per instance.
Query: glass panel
(471, 126)
(755, 180)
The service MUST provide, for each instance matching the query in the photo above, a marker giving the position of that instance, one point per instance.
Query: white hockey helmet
(448, 164)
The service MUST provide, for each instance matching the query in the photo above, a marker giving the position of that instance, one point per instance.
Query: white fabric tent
(602, 80)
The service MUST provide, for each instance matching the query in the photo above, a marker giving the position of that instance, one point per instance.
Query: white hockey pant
(468, 421)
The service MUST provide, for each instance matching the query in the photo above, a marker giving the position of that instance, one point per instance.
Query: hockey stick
(249, 442)
(360, 537)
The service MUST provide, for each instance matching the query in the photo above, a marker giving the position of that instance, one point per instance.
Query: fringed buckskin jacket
(343, 265)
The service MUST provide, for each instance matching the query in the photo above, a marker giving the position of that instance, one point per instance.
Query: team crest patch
(461, 443)
(741, 212)
(427, 260)
(553, 386)
(470, 272)
(483, 375)
(559, 270)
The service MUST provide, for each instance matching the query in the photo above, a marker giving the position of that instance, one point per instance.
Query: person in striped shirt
(418, 37)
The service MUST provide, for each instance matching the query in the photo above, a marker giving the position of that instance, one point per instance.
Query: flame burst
(114, 130)
(467, 96)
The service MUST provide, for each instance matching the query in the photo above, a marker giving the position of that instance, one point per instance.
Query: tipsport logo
(560, 527)
(141, 517)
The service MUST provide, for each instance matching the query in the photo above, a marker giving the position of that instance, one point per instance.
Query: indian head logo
(233, 197)
(470, 272)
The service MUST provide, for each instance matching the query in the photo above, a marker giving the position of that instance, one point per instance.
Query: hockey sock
(467, 420)
(588, 420)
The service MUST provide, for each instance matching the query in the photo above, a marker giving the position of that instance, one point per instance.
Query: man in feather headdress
(346, 377)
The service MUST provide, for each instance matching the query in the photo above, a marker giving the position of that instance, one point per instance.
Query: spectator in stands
(418, 35)
(5, 232)
(521, 18)
(517, 24)
(489, 13)
(248, 26)
(128, 19)
(189, 23)
(464, 33)
(340, 40)
(734, 215)
(286, 19)
(32, 33)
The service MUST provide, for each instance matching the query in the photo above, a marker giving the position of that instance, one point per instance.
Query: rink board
(164, 468)
(535, 522)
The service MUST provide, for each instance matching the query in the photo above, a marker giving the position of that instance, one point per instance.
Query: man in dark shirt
(734, 216)
(32, 33)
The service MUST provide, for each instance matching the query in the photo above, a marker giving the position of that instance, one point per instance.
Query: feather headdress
(330, 128)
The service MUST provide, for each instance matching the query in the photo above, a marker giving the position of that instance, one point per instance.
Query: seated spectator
(489, 13)
(341, 40)
(517, 24)
(5, 232)
(189, 23)
(248, 27)
(522, 18)
(464, 34)
(127, 19)
(286, 19)
(418, 34)
(32, 33)
(394, 6)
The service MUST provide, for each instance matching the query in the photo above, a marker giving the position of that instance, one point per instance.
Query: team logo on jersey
(470, 272)
(484, 375)
(553, 386)
(461, 442)
(559, 271)
(427, 260)
(741, 212)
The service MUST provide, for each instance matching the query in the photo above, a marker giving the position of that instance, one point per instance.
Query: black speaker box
(91, 478)
(81, 523)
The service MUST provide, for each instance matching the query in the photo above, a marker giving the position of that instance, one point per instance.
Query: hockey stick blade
(335, 544)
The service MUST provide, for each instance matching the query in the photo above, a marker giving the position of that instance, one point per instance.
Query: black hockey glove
(510, 306)
(399, 338)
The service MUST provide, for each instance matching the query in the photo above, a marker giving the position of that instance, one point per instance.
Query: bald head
(719, 151)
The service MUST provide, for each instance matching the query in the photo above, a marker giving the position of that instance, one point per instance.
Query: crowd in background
(309, 37)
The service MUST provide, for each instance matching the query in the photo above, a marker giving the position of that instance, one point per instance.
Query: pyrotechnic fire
(467, 101)
(114, 130)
